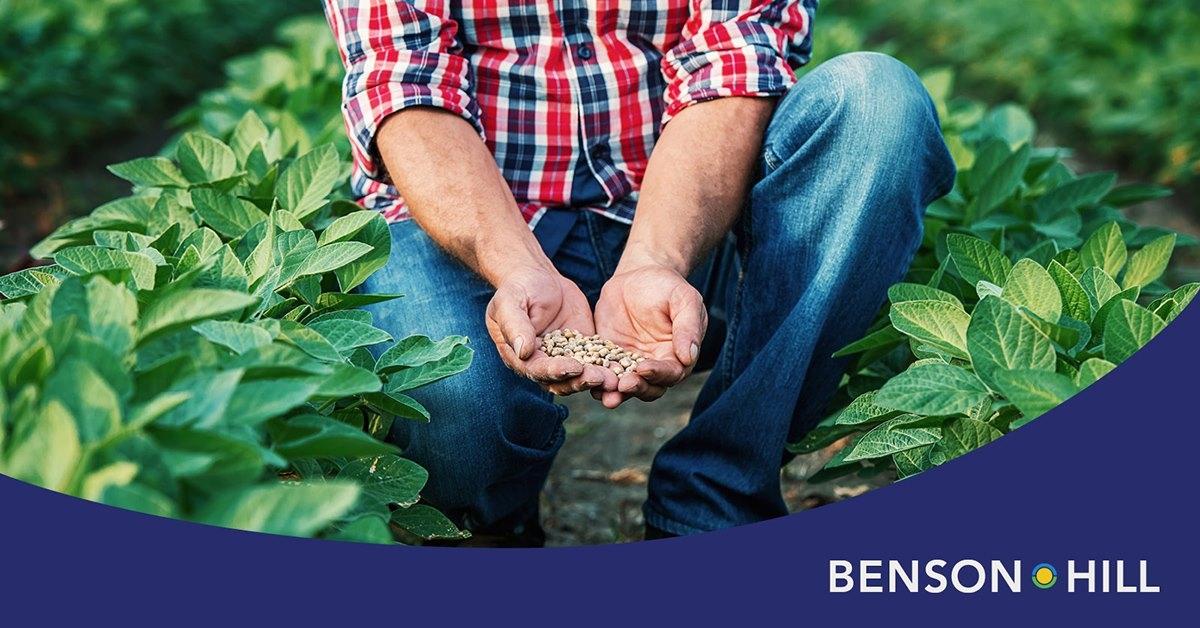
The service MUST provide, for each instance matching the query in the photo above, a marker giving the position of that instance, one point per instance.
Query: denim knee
(874, 102)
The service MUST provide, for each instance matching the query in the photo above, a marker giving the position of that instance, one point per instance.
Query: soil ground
(598, 483)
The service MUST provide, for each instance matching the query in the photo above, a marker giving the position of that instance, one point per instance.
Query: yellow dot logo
(1044, 575)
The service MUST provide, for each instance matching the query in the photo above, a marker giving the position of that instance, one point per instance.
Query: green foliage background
(74, 71)
(1122, 76)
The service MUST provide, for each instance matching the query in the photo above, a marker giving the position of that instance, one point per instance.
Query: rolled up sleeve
(731, 48)
(398, 54)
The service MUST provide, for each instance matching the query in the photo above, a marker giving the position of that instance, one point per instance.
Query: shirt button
(584, 51)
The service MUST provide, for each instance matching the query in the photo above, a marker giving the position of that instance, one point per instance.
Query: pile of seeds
(590, 350)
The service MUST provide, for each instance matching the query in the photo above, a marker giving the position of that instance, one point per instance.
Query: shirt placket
(591, 100)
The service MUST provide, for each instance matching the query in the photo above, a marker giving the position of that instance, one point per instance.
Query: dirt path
(598, 482)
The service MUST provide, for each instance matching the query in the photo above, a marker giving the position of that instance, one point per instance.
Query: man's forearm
(696, 182)
(455, 191)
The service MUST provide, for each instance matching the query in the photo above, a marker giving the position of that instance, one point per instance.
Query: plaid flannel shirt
(549, 83)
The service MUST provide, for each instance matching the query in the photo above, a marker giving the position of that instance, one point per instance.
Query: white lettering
(980, 578)
(1121, 586)
(1145, 585)
(1013, 580)
(908, 577)
(840, 580)
(1089, 576)
(866, 576)
(933, 570)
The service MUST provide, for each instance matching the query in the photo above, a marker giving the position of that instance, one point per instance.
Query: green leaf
(29, 281)
(427, 523)
(228, 215)
(316, 436)
(215, 461)
(912, 461)
(1034, 392)
(862, 410)
(415, 351)
(938, 324)
(96, 483)
(346, 334)
(1149, 262)
(1135, 193)
(1086, 190)
(347, 380)
(1011, 123)
(331, 257)
(208, 394)
(364, 530)
(1101, 317)
(333, 301)
(387, 478)
(303, 186)
(1062, 229)
(300, 510)
(901, 292)
(399, 405)
(345, 227)
(205, 159)
(886, 337)
(1031, 286)
(47, 453)
(890, 437)
(408, 378)
(1128, 328)
(149, 172)
(932, 389)
(256, 401)
(238, 337)
(87, 396)
(1003, 181)
(188, 306)
(1091, 371)
(140, 498)
(1105, 249)
(1000, 339)
(961, 436)
(1099, 286)
(376, 234)
(309, 341)
(249, 133)
(89, 260)
(1170, 305)
(977, 260)
(1074, 299)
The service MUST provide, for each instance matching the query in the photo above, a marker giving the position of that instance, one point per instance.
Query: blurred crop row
(1119, 79)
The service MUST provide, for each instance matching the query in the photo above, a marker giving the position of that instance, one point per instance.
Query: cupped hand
(655, 311)
(527, 304)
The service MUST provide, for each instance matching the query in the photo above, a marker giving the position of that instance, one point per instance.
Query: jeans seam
(602, 259)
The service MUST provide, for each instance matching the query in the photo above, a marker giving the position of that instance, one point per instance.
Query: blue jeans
(851, 158)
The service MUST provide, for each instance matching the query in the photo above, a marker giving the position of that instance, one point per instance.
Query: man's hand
(529, 303)
(654, 310)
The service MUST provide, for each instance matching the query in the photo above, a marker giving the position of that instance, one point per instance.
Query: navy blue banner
(1105, 477)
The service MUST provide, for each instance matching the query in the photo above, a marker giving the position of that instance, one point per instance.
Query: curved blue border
(1121, 489)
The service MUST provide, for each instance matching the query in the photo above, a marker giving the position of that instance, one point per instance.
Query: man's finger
(661, 372)
(545, 369)
(612, 399)
(689, 322)
(589, 379)
(652, 392)
(512, 321)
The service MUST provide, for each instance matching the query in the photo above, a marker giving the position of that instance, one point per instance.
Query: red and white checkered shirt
(547, 84)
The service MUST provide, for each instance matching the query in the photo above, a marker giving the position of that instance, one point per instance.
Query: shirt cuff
(433, 80)
(733, 59)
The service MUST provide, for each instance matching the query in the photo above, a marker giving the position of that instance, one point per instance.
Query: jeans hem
(661, 521)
